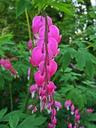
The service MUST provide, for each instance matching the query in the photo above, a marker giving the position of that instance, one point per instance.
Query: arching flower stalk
(47, 38)
(6, 64)
(73, 112)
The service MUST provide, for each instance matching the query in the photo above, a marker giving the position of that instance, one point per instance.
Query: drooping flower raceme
(6, 64)
(47, 39)
(74, 112)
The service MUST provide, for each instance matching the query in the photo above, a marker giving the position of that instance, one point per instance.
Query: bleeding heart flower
(39, 78)
(51, 88)
(33, 89)
(5, 63)
(72, 109)
(90, 110)
(52, 67)
(37, 56)
(54, 32)
(68, 104)
(38, 22)
(58, 105)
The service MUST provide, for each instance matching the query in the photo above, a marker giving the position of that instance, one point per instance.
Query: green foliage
(2, 113)
(32, 122)
(21, 5)
(76, 76)
(17, 119)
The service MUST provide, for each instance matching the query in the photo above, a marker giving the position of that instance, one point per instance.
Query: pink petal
(52, 67)
(52, 47)
(37, 23)
(51, 88)
(33, 88)
(36, 57)
(39, 79)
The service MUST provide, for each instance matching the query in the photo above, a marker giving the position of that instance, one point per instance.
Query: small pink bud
(69, 125)
(68, 104)
(50, 125)
(34, 109)
(72, 109)
(33, 88)
(54, 112)
(7, 65)
(76, 112)
(13, 71)
(77, 117)
(30, 107)
(54, 121)
(58, 105)
(29, 44)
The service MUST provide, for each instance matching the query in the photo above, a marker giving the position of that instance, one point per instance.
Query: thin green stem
(11, 98)
(31, 75)
(28, 93)
(28, 23)
(90, 45)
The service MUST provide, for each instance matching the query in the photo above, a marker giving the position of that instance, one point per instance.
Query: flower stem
(46, 50)
(28, 23)
(11, 98)
(31, 75)
(28, 93)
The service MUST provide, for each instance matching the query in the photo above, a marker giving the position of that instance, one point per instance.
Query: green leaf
(81, 59)
(90, 68)
(3, 126)
(41, 5)
(21, 5)
(1, 82)
(75, 95)
(66, 8)
(32, 122)
(66, 61)
(13, 121)
(90, 125)
(14, 118)
(92, 117)
(2, 113)
(64, 90)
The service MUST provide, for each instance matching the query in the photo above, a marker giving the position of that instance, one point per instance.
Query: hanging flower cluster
(6, 64)
(90, 110)
(74, 112)
(47, 39)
